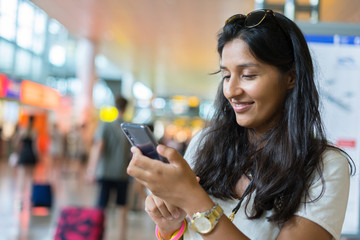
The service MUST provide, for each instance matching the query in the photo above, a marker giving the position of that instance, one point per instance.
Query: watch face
(202, 224)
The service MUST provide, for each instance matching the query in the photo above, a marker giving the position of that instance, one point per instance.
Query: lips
(242, 106)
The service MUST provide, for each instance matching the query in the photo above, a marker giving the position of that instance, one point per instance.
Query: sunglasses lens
(232, 18)
(255, 18)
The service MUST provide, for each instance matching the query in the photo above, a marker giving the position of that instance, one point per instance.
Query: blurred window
(54, 27)
(39, 31)
(36, 68)
(26, 33)
(58, 38)
(102, 95)
(7, 55)
(57, 55)
(23, 63)
(8, 19)
(25, 25)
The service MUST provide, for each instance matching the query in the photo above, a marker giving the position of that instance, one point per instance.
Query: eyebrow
(245, 65)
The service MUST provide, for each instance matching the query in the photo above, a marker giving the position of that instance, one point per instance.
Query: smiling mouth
(242, 107)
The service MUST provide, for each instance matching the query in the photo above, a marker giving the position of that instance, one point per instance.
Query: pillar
(86, 73)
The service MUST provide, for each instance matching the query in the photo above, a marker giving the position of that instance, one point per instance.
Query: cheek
(267, 91)
(271, 97)
(254, 90)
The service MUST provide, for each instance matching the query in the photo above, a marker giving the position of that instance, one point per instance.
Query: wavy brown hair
(284, 160)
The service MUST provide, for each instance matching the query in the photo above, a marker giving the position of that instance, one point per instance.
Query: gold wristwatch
(205, 222)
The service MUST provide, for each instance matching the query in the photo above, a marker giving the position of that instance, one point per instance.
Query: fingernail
(176, 214)
(170, 218)
(160, 147)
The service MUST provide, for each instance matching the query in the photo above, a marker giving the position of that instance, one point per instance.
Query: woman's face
(255, 90)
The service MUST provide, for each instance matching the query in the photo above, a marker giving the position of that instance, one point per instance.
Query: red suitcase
(80, 223)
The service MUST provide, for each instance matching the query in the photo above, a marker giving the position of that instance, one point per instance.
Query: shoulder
(327, 199)
(105, 125)
(335, 163)
(335, 172)
(100, 130)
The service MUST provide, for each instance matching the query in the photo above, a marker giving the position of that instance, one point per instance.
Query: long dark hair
(283, 161)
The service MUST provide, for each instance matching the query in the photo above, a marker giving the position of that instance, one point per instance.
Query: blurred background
(64, 62)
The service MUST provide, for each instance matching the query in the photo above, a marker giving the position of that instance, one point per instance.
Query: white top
(328, 211)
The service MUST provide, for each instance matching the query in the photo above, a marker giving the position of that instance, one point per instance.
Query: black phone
(140, 135)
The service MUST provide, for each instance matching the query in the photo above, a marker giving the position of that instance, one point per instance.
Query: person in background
(83, 148)
(108, 160)
(73, 141)
(14, 146)
(262, 168)
(27, 145)
(56, 151)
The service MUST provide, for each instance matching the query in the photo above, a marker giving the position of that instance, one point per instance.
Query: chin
(243, 124)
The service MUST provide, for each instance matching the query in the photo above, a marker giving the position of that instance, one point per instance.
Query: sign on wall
(337, 67)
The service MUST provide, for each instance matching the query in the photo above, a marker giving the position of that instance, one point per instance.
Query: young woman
(263, 168)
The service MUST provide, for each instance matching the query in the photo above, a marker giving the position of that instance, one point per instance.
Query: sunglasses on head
(252, 19)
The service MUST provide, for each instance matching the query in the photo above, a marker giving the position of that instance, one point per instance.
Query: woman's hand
(176, 185)
(167, 217)
(174, 182)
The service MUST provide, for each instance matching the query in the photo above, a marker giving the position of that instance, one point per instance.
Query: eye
(249, 77)
(225, 77)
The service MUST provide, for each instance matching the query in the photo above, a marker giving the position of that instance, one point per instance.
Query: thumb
(171, 154)
(135, 150)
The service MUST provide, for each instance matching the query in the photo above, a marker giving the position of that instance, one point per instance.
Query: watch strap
(213, 215)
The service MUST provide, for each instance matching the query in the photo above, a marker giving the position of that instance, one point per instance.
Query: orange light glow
(40, 211)
(3, 85)
(193, 101)
(39, 95)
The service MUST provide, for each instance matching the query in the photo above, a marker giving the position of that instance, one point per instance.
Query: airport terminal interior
(64, 62)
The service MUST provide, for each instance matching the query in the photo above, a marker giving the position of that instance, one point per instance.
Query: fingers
(141, 166)
(171, 154)
(135, 150)
(152, 207)
(141, 160)
(160, 179)
(157, 207)
(167, 212)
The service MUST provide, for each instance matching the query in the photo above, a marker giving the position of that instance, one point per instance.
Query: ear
(291, 79)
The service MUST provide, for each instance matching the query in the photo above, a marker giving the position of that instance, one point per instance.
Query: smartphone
(140, 135)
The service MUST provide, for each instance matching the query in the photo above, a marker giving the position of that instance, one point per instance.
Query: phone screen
(140, 135)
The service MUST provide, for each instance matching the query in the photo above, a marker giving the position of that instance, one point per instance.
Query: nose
(232, 87)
